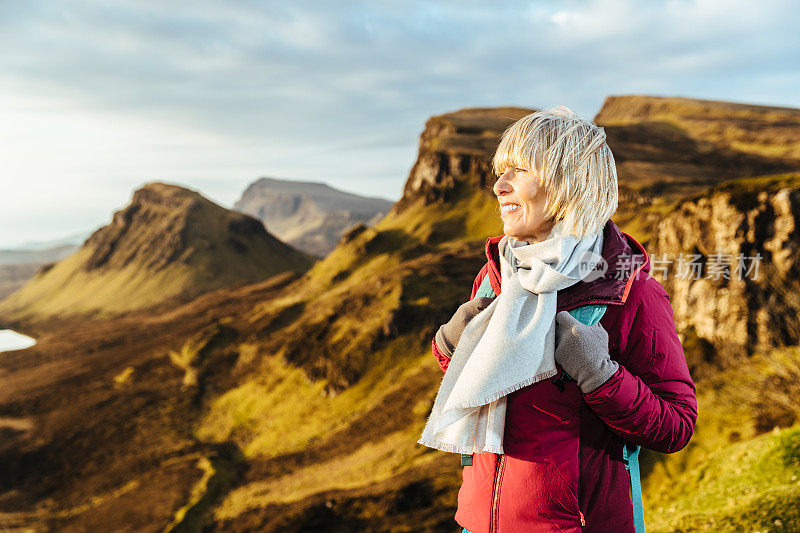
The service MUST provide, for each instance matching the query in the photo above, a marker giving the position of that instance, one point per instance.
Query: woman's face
(522, 205)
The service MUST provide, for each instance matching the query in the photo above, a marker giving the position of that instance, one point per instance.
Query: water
(11, 340)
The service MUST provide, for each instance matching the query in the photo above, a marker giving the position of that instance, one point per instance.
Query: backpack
(590, 315)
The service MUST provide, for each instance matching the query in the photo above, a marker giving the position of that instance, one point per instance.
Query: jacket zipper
(496, 493)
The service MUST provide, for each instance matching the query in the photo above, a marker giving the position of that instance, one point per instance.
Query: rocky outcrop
(309, 216)
(456, 148)
(729, 260)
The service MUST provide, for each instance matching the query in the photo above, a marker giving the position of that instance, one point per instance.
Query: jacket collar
(626, 258)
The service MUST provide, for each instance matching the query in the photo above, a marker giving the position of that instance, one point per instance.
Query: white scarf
(508, 345)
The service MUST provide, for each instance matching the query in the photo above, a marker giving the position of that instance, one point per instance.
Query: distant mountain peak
(311, 216)
(166, 195)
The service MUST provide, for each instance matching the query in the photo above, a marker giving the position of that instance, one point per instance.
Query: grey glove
(582, 351)
(448, 335)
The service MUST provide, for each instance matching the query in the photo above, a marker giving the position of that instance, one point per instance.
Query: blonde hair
(575, 166)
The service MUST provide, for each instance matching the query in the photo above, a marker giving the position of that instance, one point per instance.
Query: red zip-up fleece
(563, 469)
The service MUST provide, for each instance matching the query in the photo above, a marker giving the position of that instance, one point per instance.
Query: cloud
(340, 91)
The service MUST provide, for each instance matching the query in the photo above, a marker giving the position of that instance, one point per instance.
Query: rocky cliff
(456, 149)
(729, 260)
(309, 216)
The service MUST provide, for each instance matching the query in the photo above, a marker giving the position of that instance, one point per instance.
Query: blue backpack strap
(630, 454)
(485, 288)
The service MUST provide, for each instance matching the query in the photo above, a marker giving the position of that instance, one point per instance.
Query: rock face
(456, 148)
(741, 295)
(169, 242)
(309, 216)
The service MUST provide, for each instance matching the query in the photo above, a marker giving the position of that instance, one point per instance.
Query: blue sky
(98, 98)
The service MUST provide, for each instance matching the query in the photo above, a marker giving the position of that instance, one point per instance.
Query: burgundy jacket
(563, 468)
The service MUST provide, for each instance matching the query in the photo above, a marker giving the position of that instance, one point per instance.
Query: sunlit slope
(741, 471)
(722, 128)
(169, 242)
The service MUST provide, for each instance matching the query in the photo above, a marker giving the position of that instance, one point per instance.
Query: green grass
(261, 415)
(752, 485)
(741, 470)
(282, 412)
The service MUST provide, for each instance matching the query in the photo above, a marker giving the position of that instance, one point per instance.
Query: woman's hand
(582, 351)
(448, 335)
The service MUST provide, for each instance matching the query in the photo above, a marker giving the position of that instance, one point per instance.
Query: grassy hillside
(367, 379)
(741, 471)
(716, 127)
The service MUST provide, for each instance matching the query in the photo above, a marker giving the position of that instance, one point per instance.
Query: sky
(98, 98)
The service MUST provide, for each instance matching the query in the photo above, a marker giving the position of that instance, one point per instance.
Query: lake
(11, 340)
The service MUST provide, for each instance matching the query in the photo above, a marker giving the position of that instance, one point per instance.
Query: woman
(540, 402)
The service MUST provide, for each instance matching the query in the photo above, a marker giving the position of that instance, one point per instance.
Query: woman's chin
(510, 230)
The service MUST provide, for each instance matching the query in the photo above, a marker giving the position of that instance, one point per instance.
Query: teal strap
(630, 453)
(589, 314)
(485, 289)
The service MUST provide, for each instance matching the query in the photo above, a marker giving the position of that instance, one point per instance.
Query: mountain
(455, 151)
(74, 239)
(168, 243)
(295, 403)
(26, 256)
(308, 215)
(14, 276)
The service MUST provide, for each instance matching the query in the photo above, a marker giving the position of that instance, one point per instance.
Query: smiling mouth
(508, 208)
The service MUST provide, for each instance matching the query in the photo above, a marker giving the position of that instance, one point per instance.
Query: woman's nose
(502, 186)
